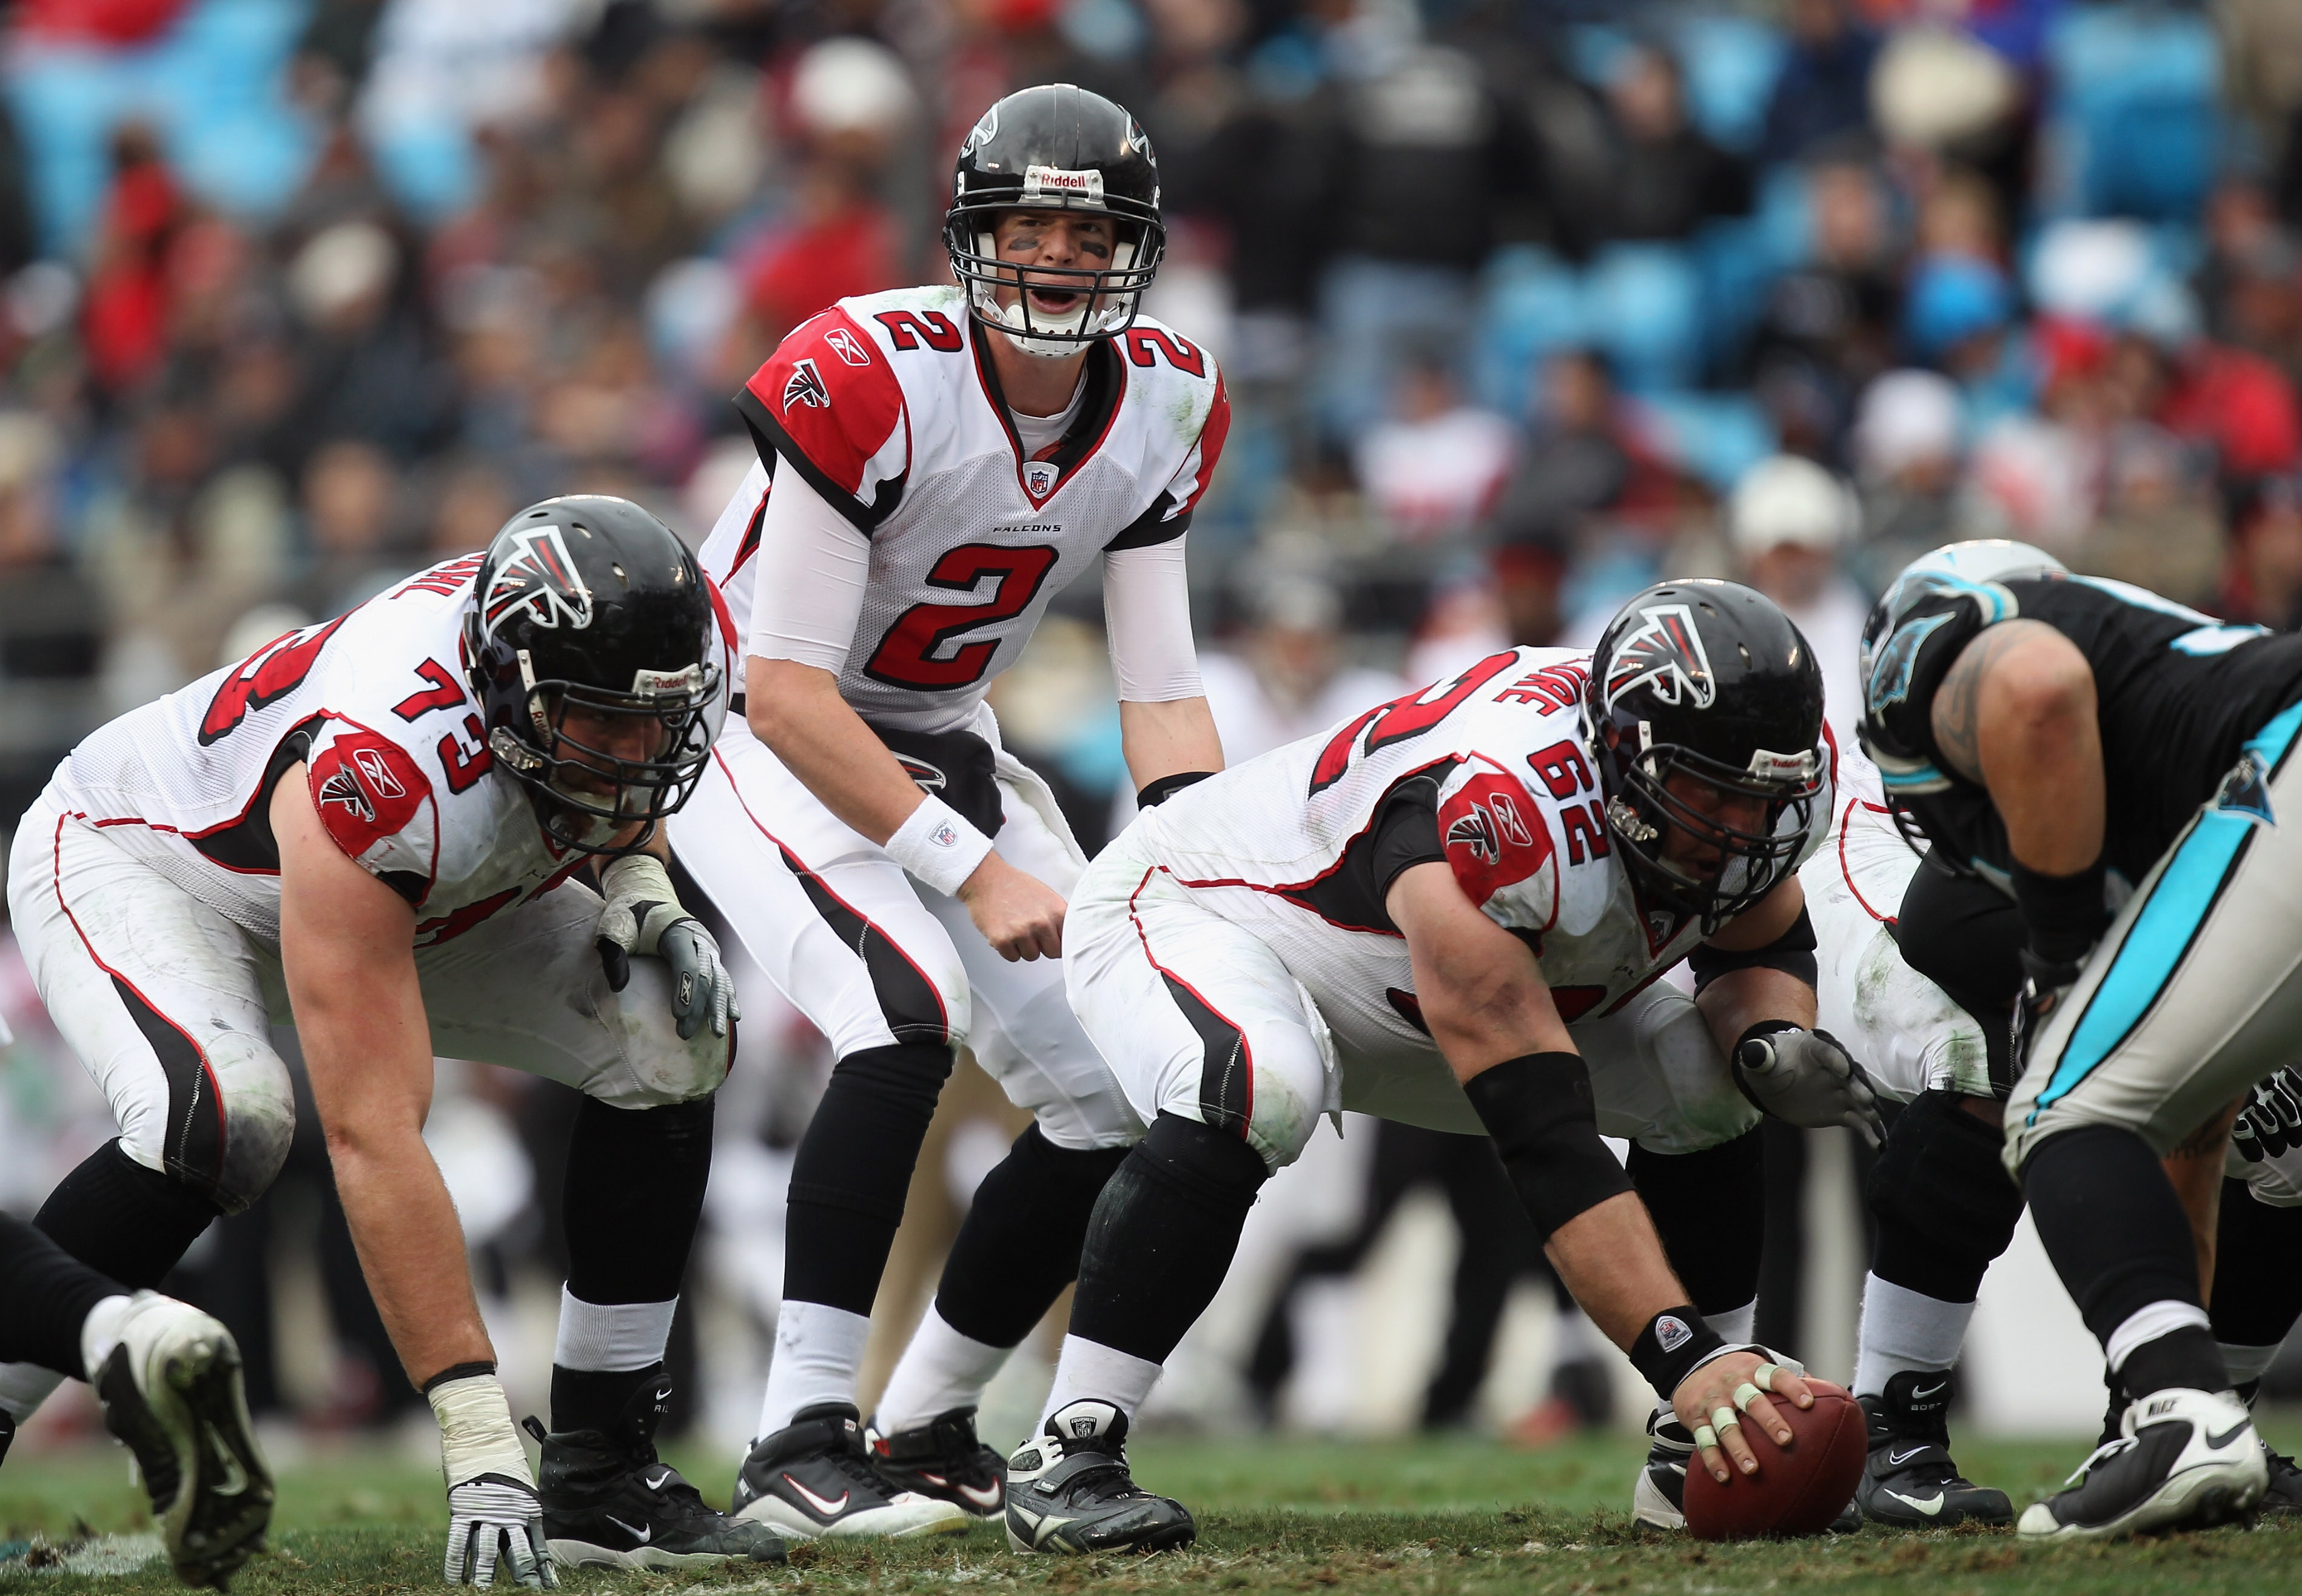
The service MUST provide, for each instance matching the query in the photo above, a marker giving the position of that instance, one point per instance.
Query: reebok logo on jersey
(1506, 821)
(847, 346)
(378, 777)
(539, 580)
(1663, 653)
(805, 387)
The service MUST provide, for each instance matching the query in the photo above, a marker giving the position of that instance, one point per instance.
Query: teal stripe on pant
(2163, 931)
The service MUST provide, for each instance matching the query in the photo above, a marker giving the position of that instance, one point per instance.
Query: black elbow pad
(1792, 952)
(1538, 1108)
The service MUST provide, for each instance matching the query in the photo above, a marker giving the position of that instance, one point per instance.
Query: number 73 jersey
(889, 407)
(1297, 844)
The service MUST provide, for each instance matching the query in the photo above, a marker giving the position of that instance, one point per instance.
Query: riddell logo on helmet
(1061, 181)
(1663, 654)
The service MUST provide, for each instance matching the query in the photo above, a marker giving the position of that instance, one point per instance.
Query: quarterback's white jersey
(889, 407)
(1278, 844)
(376, 705)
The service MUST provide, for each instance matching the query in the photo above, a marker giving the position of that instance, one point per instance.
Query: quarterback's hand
(1807, 1078)
(2270, 1122)
(1719, 1397)
(495, 1517)
(644, 917)
(1018, 914)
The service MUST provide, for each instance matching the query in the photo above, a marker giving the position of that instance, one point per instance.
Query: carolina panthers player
(935, 465)
(2116, 763)
(168, 1377)
(1438, 912)
(376, 828)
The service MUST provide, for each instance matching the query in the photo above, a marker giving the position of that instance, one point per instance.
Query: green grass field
(1297, 1515)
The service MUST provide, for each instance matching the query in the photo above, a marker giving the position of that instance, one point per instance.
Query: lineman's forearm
(1612, 1261)
(411, 1250)
(1167, 738)
(1742, 999)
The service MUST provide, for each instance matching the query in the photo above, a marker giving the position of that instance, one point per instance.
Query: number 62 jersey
(889, 406)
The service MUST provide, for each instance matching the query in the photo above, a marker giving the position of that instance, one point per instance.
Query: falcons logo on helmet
(806, 387)
(540, 578)
(1664, 653)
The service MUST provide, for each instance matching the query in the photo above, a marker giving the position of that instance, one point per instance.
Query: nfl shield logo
(1040, 478)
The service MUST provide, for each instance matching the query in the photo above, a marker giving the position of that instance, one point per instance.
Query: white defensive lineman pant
(169, 1004)
(873, 959)
(1200, 1018)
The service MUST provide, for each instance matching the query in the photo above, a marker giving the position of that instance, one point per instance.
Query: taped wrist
(1792, 952)
(1539, 1110)
(1167, 786)
(1674, 1344)
(2063, 915)
(476, 1434)
(938, 846)
(1764, 1028)
(639, 885)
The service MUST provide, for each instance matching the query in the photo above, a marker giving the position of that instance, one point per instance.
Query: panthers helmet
(1055, 147)
(1707, 680)
(591, 603)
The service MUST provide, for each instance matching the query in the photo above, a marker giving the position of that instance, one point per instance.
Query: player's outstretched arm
(1168, 737)
(346, 945)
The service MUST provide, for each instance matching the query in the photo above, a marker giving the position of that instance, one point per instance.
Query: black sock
(1945, 1204)
(2187, 1357)
(603, 1399)
(1709, 1208)
(44, 1298)
(1161, 1237)
(2111, 1224)
(1020, 1244)
(128, 1221)
(2257, 1270)
(853, 1170)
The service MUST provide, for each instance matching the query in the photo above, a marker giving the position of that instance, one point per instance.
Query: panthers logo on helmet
(806, 387)
(541, 580)
(1663, 653)
(1887, 674)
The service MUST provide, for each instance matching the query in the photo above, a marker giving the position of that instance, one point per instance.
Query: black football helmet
(589, 603)
(1055, 147)
(1707, 679)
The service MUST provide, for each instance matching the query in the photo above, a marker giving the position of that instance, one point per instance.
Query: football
(1798, 1490)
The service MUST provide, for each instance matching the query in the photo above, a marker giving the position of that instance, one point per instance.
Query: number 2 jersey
(1491, 772)
(890, 407)
(376, 706)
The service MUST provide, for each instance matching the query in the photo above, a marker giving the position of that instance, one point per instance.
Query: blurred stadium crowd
(1522, 303)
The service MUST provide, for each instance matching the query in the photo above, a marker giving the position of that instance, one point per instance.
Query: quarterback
(379, 829)
(1453, 909)
(935, 465)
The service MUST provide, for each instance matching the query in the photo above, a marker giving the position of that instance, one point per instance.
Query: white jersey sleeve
(1147, 606)
(822, 566)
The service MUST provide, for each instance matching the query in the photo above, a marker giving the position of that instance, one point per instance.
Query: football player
(1944, 1205)
(168, 1377)
(2117, 763)
(380, 827)
(935, 465)
(1453, 909)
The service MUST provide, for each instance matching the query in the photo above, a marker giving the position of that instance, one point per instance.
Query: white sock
(99, 1332)
(1734, 1324)
(1089, 1371)
(2245, 1364)
(1902, 1329)
(611, 1337)
(818, 1351)
(939, 1371)
(24, 1387)
(2162, 1317)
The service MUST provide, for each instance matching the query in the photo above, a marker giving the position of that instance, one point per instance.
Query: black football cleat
(946, 1460)
(2184, 1460)
(7, 1433)
(171, 1390)
(609, 1502)
(1069, 1491)
(1910, 1480)
(2284, 1498)
(815, 1478)
(1659, 1499)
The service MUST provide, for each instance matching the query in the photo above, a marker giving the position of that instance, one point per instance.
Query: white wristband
(476, 1434)
(938, 847)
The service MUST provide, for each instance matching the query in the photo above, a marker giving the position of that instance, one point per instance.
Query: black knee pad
(633, 1196)
(1709, 1208)
(124, 1220)
(1214, 1169)
(1945, 1204)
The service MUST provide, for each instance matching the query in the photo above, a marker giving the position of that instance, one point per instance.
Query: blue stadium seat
(2134, 117)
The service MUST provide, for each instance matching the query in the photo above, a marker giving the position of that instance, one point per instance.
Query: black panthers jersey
(2178, 694)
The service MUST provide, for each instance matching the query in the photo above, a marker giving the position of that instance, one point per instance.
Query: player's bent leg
(2258, 1298)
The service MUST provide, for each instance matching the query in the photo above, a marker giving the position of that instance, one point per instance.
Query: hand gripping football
(1798, 1491)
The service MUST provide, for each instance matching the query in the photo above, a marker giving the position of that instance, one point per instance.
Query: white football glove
(494, 1511)
(644, 917)
(1805, 1077)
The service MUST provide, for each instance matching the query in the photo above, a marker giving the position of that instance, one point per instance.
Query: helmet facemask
(1108, 298)
(1643, 813)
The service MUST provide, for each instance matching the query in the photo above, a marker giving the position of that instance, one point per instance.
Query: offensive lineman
(2119, 762)
(944, 461)
(1432, 913)
(373, 826)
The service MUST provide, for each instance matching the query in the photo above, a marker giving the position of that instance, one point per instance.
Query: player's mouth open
(1055, 301)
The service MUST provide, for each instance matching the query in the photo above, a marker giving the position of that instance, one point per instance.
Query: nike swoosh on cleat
(2227, 1436)
(985, 1496)
(1929, 1506)
(1918, 1396)
(657, 1484)
(235, 1477)
(1896, 1459)
(822, 1504)
(642, 1536)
